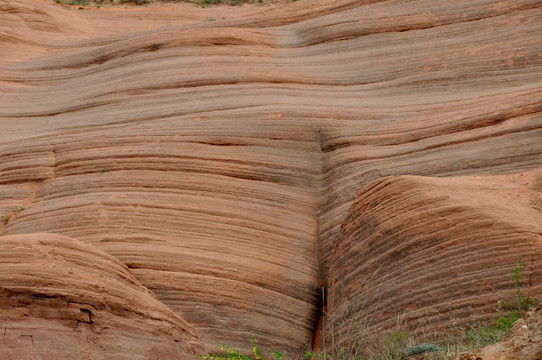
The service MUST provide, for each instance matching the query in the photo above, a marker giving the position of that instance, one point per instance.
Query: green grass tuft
(398, 343)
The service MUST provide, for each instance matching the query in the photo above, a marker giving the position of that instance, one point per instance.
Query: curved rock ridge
(216, 152)
(30, 27)
(61, 298)
(436, 252)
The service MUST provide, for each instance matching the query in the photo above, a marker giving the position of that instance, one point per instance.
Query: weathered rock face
(218, 159)
(523, 343)
(436, 250)
(64, 299)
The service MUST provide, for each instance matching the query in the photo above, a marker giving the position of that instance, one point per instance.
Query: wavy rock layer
(216, 152)
(64, 299)
(436, 250)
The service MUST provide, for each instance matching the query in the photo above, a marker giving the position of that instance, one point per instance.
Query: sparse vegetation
(218, 17)
(399, 343)
(483, 334)
(234, 354)
(515, 274)
(204, 3)
(422, 348)
(6, 218)
(72, 2)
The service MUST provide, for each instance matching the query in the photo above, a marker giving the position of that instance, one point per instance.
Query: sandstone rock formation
(64, 299)
(217, 152)
(436, 251)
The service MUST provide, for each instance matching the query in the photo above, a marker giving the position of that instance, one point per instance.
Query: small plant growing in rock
(515, 274)
(400, 344)
(420, 349)
(319, 355)
(234, 354)
(5, 219)
(522, 303)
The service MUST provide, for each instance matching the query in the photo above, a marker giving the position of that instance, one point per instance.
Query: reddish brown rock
(63, 299)
(436, 251)
(216, 151)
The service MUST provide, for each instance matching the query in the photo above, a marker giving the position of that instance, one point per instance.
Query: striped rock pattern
(216, 152)
(64, 299)
(436, 252)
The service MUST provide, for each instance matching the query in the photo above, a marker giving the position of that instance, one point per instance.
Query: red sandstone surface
(437, 251)
(64, 299)
(204, 172)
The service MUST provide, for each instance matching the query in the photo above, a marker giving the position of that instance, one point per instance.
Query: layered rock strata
(64, 299)
(435, 253)
(216, 152)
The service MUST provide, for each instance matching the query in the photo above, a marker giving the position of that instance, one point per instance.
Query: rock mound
(61, 298)
(436, 251)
